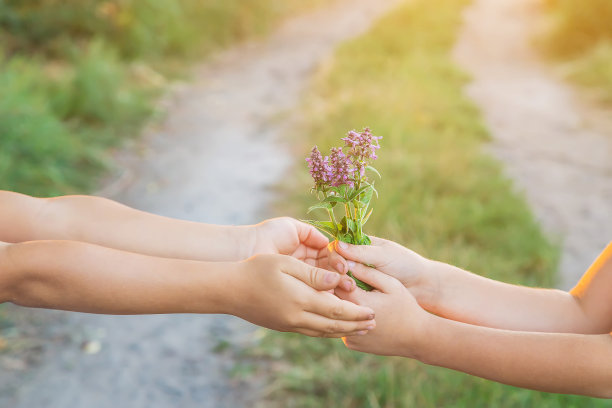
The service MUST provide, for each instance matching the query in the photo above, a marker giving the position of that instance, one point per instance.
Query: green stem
(332, 217)
(358, 215)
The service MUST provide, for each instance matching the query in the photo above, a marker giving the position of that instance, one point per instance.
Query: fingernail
(343, 245)
(370, 327)
(350, 264)
(361, 333)
(347, 284)
(330, 277)
(340, 267)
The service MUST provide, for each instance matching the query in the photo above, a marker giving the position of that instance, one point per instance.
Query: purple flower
(319, 167)
(341, 168)
(362, 148)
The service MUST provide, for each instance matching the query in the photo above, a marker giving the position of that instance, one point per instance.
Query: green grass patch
(593, 70)
(77, 77)
(574, 27)
(580, 36)
(439, 195)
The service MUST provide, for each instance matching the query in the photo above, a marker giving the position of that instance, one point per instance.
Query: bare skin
(541, 339)
(94, 255)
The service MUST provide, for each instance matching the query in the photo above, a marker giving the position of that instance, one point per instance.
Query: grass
(593, 70)
(580, 36)
(78, 77)
(439, 195)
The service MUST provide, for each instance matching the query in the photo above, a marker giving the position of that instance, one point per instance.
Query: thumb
(310, 236)
(365, 254)
(375, 278)
(316, 278)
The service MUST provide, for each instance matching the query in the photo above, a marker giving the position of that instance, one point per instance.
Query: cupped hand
(288, 236)
(400, 321)
(386, 256)
(282, 293)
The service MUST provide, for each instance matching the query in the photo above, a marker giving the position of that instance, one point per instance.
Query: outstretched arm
(463, 296)
(105, 222)
(274, 291)
(551, 362)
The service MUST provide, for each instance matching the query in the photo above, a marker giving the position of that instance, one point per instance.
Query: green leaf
(334, 199)
(374, 170)
(367, 217)
(348, 238)
(357, 192)
(348, 225)
(366, 198)
(324, 226)
(374, 189)
(351, 226)
(343, 225)
(322, 205)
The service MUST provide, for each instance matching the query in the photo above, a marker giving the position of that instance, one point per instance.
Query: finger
(310, 236)
(367, 254)
(317, 278)
(335, 328)
(356, 296)
(333, 308)
(335, 260)
(374, 277)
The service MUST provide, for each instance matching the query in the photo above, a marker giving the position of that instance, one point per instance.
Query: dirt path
(556, 148)
(213, 159)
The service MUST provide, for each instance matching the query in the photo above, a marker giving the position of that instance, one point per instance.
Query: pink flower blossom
(320, 169)
(362, 148)
(342, 168)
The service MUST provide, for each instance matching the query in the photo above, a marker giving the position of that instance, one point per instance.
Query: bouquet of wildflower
(340, 180)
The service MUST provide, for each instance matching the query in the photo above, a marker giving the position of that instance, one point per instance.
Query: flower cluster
(362, 148)
(341, 168)
(320, 169)
(341, 183)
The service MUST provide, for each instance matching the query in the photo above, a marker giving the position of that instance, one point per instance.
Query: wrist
(244, 239)
(427, 289)
(8, 272)
(422, 338)
(232, 294)
(424, 345)
(417, 335)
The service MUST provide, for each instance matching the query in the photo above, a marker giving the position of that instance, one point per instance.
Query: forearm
(563, 363)
(82, 277)
(104, 222)
(460, 295)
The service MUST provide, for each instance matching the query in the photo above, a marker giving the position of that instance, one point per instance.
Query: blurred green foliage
(136, 28)
(576, 26)
(580, 34)
(38, 151)
(439, 195)
(78, 76)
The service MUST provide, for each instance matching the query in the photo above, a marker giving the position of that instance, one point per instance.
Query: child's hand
(284, 294)
(400, 321)
(389, 257)
(288, 236)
